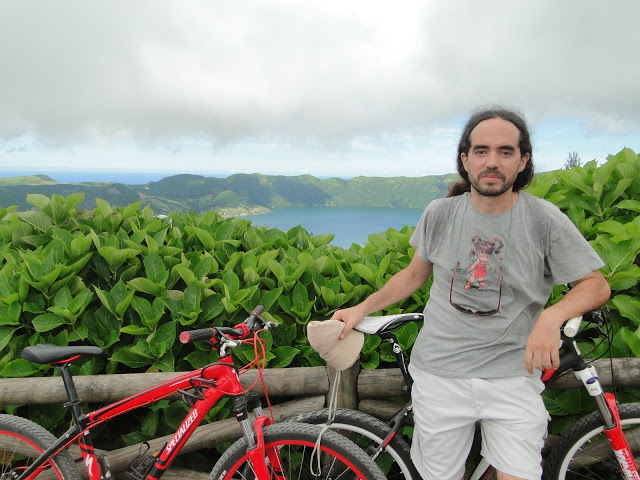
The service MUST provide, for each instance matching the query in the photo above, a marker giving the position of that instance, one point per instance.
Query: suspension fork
(606, 403)
(619, 443)
(254, 436)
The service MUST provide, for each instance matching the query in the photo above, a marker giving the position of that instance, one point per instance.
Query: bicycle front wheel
(295, 443)
(21, 442)
(393, 458)
(583, 451)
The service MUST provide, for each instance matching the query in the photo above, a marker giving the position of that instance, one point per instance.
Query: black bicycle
(602, 445)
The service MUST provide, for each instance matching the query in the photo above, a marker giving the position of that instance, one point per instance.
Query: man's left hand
(543, 345)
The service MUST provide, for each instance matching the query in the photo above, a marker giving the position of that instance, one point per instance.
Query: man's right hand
(350, 317)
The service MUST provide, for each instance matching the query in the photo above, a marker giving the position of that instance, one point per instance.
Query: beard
(492, 190)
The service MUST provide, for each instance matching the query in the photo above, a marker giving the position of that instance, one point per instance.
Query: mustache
(493, 172)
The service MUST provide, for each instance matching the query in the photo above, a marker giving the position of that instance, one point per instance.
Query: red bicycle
(283, 451)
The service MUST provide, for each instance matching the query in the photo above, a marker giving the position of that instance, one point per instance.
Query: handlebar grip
(572, 326)
(191, 336)
(251, 319)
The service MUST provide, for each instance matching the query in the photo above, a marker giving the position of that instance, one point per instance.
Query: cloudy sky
(327, 87)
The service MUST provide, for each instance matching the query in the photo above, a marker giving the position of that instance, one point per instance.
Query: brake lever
(226, 343)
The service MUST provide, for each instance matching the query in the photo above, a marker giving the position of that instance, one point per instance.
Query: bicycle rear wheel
(583, 451)
(295, 443)
(21, 442)
(394, 458)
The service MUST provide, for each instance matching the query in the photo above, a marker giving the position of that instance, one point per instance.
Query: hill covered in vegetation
(237, 194)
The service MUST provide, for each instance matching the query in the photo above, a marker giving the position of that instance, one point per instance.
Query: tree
(572, 161)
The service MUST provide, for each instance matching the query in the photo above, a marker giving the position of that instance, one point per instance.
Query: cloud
(324, 72)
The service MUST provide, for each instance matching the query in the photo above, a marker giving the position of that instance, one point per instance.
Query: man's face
(494, 159)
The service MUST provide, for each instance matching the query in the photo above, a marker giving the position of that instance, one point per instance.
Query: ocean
(348, 224)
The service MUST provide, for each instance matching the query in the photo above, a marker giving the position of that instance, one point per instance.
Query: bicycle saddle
(46, 353)
(387, 323)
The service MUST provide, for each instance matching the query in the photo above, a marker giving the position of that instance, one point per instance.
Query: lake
(348, 224)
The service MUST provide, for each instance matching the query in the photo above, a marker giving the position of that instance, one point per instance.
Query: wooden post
(347, 394)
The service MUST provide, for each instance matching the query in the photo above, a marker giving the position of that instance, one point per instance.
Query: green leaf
(278, 271)
(283, 357)
(370, 361)
(38, 220)
(130, 358)
(166, 363)
(629, 307)
(185, 273)
(162, 339)
(6, 333)
(632, 340)
(633, 205)
(135, 330)
(104, 208)
(270, 297)
(47, 322)
(211, 307)
(625, 279)
(18, 368)
(576, 180)
(145, 285)
(207, 240)
(10, 314)
(155, 269)
(364, 271)
(150, 314)
(231, 283)
(116, 257)
(38, 200)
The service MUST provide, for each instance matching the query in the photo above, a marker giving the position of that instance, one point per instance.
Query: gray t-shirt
(483, 263)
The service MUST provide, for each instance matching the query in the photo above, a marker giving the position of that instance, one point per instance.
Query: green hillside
(237, 194)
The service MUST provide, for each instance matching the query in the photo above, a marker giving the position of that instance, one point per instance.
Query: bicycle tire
(583, 451)
(370, 433)
(295, 442)
(22, 441)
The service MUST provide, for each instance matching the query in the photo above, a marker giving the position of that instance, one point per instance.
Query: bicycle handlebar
(572, 326)
(251, 324)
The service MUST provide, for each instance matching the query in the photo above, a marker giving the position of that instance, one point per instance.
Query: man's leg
(514, 425)
(444, 425)
(504, 476)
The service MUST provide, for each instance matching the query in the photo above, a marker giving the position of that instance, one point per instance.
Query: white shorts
(511, 412)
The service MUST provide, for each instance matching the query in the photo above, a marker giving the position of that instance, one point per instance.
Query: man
(495, 253)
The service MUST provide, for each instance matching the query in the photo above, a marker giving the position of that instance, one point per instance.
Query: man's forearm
(589, 293)
(400, 286)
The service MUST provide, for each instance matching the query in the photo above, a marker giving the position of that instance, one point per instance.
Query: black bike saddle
(46, 353)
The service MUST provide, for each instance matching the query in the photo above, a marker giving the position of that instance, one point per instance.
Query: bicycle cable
(260, 363)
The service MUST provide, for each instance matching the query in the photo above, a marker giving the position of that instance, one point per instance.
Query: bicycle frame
(210, 383)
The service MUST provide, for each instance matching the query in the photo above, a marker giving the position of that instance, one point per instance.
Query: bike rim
(378, 455)
(18, 452)
(591, 457)
(297, 457)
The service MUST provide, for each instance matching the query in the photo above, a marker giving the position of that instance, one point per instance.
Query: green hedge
(128, 281)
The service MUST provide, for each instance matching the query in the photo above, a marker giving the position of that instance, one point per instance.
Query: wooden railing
(367, 390)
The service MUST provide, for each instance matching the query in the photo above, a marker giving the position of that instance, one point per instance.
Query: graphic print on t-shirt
(481, 250)
(478, 288)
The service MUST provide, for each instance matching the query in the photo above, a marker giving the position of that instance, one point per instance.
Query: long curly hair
(524, 177)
